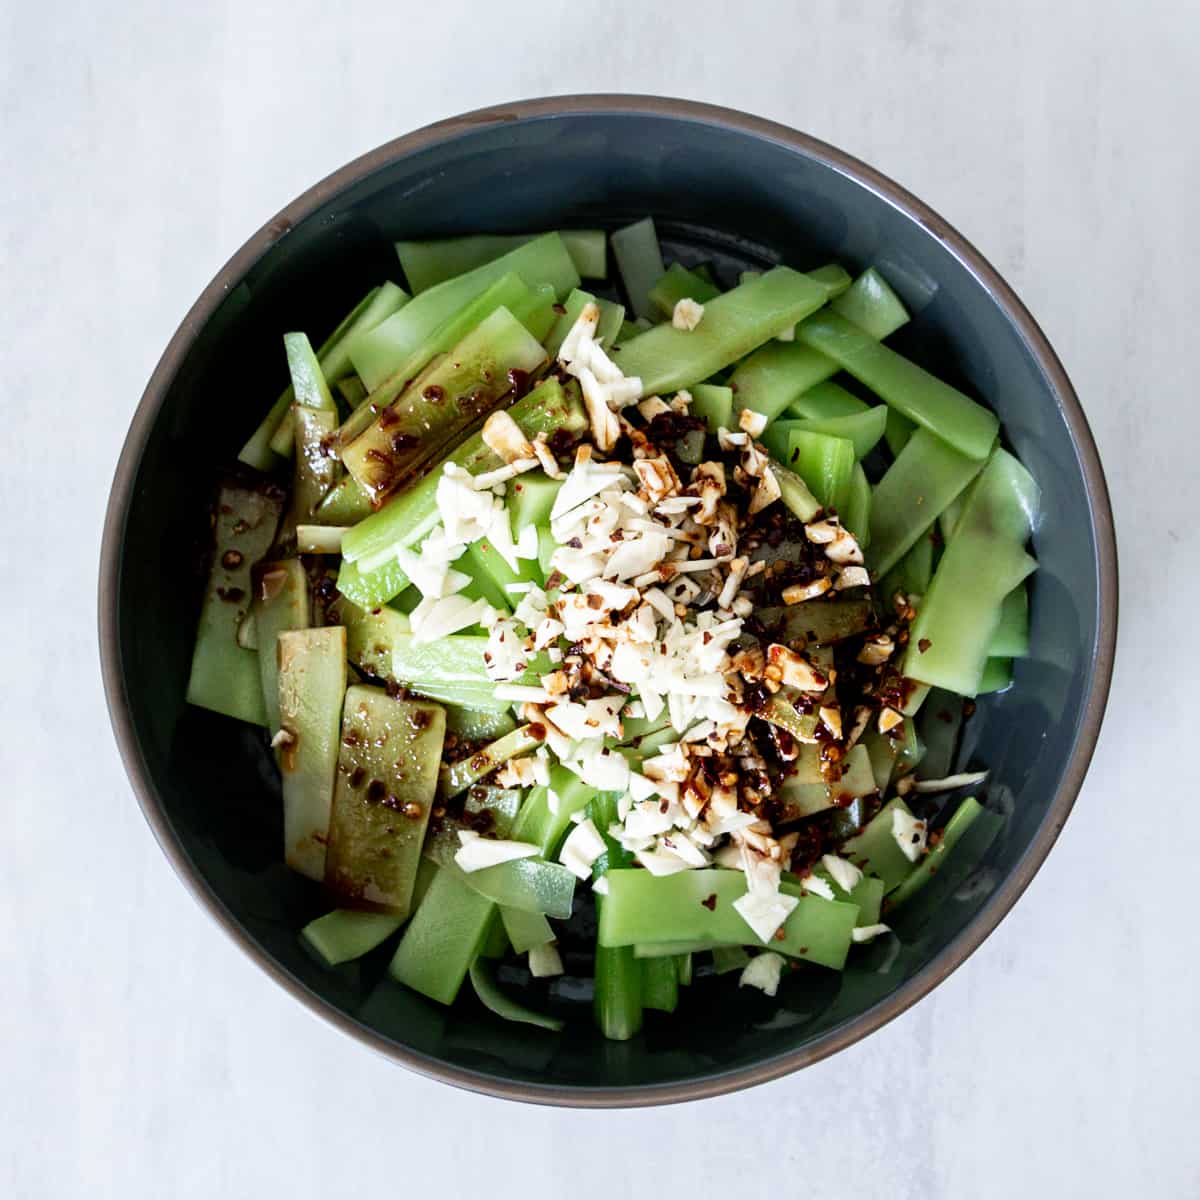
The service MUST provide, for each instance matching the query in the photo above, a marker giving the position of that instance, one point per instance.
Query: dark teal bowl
(723, 186)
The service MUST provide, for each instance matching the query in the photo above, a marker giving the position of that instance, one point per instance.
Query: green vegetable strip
(679, 284)
(825, 400)
(441, 403)
(503, 1005)
(530, 499)
(353, 390)
(876, 852)
(426, 264)
(476, 724)
(639, 262)
(672, 949)
(607, 328)
(389, 347)
(714, 405)
(314, 472)
(856, 512)
(965, 816)
(666, 358)
(378, 304)
(224, 676)
(835, 279)
(386, 781)
(777, 376)
(443, 938)
(308, 380)
(509, 291)
(911, 575)
(817, 622)
(344, 504)
(311, 689)
(795, 494)
(345, 934)
(926, 476)
(645, 908)
(280, 603)
(982, 563)
(943, 410)
(410, 516)
(997, 675)
(729, 958)
(460, 775)
(531, 885)
(863, 429)
(899, 430)
(1011, 639)
(780, 710)
(939, 725)
(871, 304)
(805, 793)
(618, 998)
(448, 929)
(824, 463)
(660, 983)
(525, 929)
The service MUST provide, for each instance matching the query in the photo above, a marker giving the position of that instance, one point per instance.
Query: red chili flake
(924, 645)
(710, 902)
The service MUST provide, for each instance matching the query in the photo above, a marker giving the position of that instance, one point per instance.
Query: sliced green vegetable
(386, 782)
(939, 725)
(410, 516)
(645, 908)
(982, 563)
(530, 498)
(280, 602)
(965, 816)
(817, 622)
(378, 304)
(639, 262)
(875, 850)
(391, 347)
(823, 401)
(899, 430)
(679, 284)
(346, 934)
(863, 429)
(912, 574)
(660, 983)
(713, 404)
(314, 471)
(441, 403)
(778, 376)
(856, 511)
(825, 463)
(795, 494)
(525, 929)
(460, 775)
(529, 884)
(870, 303)
(833, 277)
(426, 264)
(504, 1005)
(926, 476)
(607, 328)
(997, 676)
(311, 689)
(224, 676)
(344, 504)
(1011, 639)
(806, 792)
(968, 427)
(667, 359)
(475, 724)
(729, 958)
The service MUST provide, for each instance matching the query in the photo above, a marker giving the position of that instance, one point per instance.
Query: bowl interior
(721, 194)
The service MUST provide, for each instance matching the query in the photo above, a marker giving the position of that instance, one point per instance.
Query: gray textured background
(140, 1054)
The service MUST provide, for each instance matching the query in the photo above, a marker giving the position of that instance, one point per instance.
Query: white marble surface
(140, 1053)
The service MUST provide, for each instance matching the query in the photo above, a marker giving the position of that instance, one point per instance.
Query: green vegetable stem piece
(224, 676)
(281, 602)
(312, 686)
(679, 284)
(386, 783)
(870, 303)
(639, 262)
(426, 264)
(441, 403)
